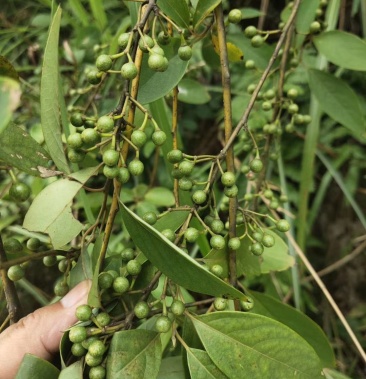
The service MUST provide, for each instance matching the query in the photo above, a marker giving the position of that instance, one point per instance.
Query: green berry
(123, 175)
(274, 204)
(138, 138)
(87, 342)
(97, 348)
(49, 261)
(121, 284)
(63, 265)
(61, 288)
(97, 372)
(141, 309)
(136, 167)
(89, 123)
(268, 194)
(169, 234)
(90, 136)
(217, 226)
(110, 157)
(251, 88)
(83, 312)
(217, 242)
(123, 40)
(78, 350)
(269, 94)
(186, 167)
(256, 165)
(307, 119)
(20, 192)
(231, 191)
(75, 156)
(249, 64)
(103, 319)
(93, 76)
(104, 62)
(12, 246)
(185, 53)
(133, 267)
(217, 270)
(77, 119)
(75, 141)
(292, 93)
(92, 361)
(146, 43)
(248, 304)
(129, 71)
(163, 39)
(235, 16)
(257, 236)
(163, 324)
(110, 172)
(257, 41)
(228, 179)
(105, 124)
(268, 240)
(234, 243)
(150, 218)
(105, 280)
(156, 49)
(294, 62)
(156, 62)
(175, 156)
(77, 334)
(176, 173)
(199, 197)
(282, 226)
(293, 108)
(250, 31)
(315, 27)
(16, 273)
(256, 248)
(177, 308)
(191, 234)
(158, 137)
(266, 106)
(127, 254)
(185, 184)
(220, 304)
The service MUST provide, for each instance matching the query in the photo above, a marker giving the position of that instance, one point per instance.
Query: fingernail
(77, 296)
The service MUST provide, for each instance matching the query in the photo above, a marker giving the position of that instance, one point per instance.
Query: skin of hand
(40, 332)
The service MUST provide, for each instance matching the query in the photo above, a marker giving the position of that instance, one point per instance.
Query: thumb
(40, 332)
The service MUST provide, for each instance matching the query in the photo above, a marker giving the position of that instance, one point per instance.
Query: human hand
(40, 332)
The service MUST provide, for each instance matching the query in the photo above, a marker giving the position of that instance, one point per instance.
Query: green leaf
(160, 196)
(338, 100)
(171, 368)
(134, 354)
(34, 367)
(7, 69)
(50, 107)
(203, 9)
(305, 16)
(333, 374)
(177, 10)
(192, 92)
(93, 297)
(9, 100)
(154, 85)
(172, 220)
(99, 14)
(74, 371)
(51, 213)
(300, 323)
(27, 159)
(248, 13)
(172, 261)
(254, 346)
(201, 365)
(343, 49)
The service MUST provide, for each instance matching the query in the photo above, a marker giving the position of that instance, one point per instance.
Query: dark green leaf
(172, 220)
(154, 85)
(9, 99)
(171, 368)
(134, 354)
(343, 49)
(99, 14)
(305, 16)
(192, 92)
(29, 158)
(338, 100)
(254, 346)
(160, 196)
(297, 321)
(172, 261)
(177, 10)
(75, 371)
(201, 365)
(34, 367)
(7, 69)
(248, 13)
(203, 9)
(50, 107)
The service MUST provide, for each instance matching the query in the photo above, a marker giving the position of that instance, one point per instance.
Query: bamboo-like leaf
(203, 9)
(177, 10)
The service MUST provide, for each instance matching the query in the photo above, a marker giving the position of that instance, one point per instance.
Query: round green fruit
(177, 307)
(163, 324)
(292, 93)
(138, 138)
(123, 175)
(175, 156)
(105, 280)
(20, 192)
(158, 137)
(77, 119)
(256, 165)
(78, 350)
(231, 191)
(217, 226)
(257, 236)
(97, 372)
(123, 40)
(220, 304)
(104, 62)
(105, 124)
(249, 64)
(16, 273)
(12, 246)
(234, 243)
(121, 284)
(146, 43)
(250, 31)
(156, 49)
(266, 106)
(110, 157)
(163, 39)
(129, 71)
(110, 172)
(185, 53)
(257, 41)
(141, 309)
(83, 312)
(315, 27)
(127, 254)
(93, 76)
(191, 234)
(150, 218)
(268, 240)
(75, 156)
(61, 288)
(62, 265)
(156, 62)
(217, 270)
(235, 16)
(97, 348)
(186, 167)
(293, 108)
(282, 226)
(199, 197)
(217, 242)
(92, 361)
(185, 184)
(256, 248)
(133, 267)
(228, 179)
(169, 234)
(77, 334)
(90, 136)
(136, 167)
(248, 304)
(50, 260)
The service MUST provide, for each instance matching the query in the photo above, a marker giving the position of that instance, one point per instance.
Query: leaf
(254, 346)
(177, 10)
(172, 261)
(50, 213)
(154, 85)
(192, 92)
(343, 49)
(234, 53)
(34, 367)
(338, 100)
(99, 14)
(160, 196)
(172, 220)
(203, 9)
(333, 374)
(134, 354)
(300, 323)
(171, 368)
(7, 69)
(201, 365)
(93, 297)
(248, 13)
(74, 371)
(29, 157)
(9, 100)
(50, 107)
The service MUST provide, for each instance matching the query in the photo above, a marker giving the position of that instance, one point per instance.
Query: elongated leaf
(50, 108)
(297, 321)
(338, 100)
(192, 92)
(96, 260)
(201, 366)
(256, 347)
(171, 368)
(343, 49)
(98, 13)
(305, 16)
(7, 69)
(248, 13)
(34, 367)
(154, 85)
(172, 261)
(177, 10)
(134, 354)
(203, 9)
(75, 371)
(9, 100)
(333, 374)
(172, 220)
(29, 157)
(160, 196)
